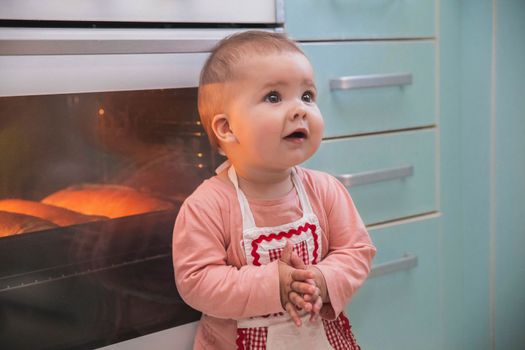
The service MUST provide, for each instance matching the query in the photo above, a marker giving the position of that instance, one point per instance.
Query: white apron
(263, 245)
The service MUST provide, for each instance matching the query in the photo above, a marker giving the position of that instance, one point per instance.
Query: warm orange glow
(101, 112)
(199, 155)
(200, 166)
(111, 201)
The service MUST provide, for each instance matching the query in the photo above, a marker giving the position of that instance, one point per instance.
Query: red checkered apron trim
(290, 233)
(339, 334)
(251, 338)
(301, 249)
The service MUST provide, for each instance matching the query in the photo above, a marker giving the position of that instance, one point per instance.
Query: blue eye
(308, 96)
(273, 97)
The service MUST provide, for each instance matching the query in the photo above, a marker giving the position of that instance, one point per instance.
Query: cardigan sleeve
(204, 279)
(350, 251)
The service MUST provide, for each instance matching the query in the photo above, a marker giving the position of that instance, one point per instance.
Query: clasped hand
(298, 286)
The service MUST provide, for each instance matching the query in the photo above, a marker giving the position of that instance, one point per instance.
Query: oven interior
(90, 186)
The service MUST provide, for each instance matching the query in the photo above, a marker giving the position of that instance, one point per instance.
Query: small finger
(303, 288)
(287, 253)
(293, 314)
(298, 301)
(302, 275)
(310, 298)
(316, 309)
(316, 293)
(317, 305)
(296, 261)
(310, 281)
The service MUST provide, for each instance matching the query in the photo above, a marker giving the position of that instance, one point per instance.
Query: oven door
(151, 11)
(98, 149)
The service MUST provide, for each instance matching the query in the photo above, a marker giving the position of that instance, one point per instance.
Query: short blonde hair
(219, 68)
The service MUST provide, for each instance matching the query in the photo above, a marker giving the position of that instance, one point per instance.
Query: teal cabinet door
(509, 172)
(401, 310)
(359, 19)
(389, 176)
(409, 102)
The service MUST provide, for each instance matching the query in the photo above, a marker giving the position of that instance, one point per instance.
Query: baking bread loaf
(112, 201)
(57, 215)
(13, 223)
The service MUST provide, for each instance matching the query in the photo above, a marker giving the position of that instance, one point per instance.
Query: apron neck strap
(301, 192)
(247, 216)
(248, 221)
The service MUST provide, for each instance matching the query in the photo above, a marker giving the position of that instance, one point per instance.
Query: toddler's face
(273, 111)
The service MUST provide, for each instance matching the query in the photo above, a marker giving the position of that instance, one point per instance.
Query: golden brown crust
(112, 201)
(57, 215)
(13, 224)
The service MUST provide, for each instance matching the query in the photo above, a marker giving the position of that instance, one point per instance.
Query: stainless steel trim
(279, 11)
(172, 11)
(38, 47)
(369, 177)
(62, 74)
(71, 41)
(407, 262)
(369, 81)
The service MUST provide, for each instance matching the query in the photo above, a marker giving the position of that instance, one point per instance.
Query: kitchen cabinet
(387, 177)
(467, 290)
(358, 19)
(493, 165)
(401, 310)
(509, 162)
(390, 128)
(399, 78)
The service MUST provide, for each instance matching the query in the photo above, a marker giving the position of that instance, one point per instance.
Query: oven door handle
(82, 41)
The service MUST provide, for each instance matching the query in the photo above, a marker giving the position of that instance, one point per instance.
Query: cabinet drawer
(359, 19)
(382, 187)
(401, 310)
(409, 102)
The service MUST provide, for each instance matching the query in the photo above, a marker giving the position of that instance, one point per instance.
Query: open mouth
(297, 135)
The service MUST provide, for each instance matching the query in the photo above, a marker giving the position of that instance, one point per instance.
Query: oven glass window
(70, 159)
(90, 185)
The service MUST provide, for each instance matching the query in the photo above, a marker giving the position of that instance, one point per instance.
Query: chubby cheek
(317, 130)
(264, 134)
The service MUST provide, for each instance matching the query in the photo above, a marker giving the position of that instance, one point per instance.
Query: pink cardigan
(210, 267)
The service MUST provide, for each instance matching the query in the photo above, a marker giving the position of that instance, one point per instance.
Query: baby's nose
(299, 112)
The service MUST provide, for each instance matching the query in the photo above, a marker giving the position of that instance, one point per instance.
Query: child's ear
(222, 129)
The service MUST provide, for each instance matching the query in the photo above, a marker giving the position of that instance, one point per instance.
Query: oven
(100, 143)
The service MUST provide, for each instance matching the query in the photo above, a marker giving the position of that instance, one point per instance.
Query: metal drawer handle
(369, 177)
(407, 262)
(368, 81)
